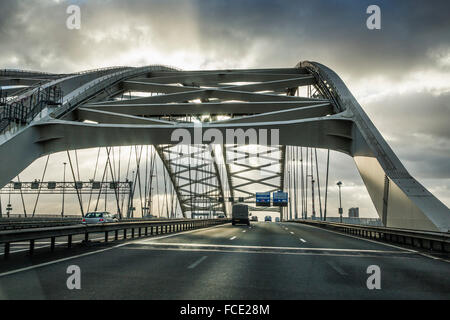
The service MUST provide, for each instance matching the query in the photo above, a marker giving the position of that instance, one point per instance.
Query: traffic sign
(263, 199)
(280, 199)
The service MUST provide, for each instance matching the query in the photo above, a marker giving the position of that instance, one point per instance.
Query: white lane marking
(232, 238)
(302, 240)
(368, 255)
(173, 244)
(196, 263)
(98, 251)
(59, 260)
(243, 231)
(337, 268)
(44, 244)
(381, 243)
(291, 232)
(369, 240)
(176, 234)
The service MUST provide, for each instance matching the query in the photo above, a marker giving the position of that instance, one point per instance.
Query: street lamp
(64, 187)
(340, 201)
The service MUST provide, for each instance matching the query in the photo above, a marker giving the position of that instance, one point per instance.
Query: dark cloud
(270, 32)
(416, 127)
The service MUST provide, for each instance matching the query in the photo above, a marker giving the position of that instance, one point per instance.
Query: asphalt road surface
(264, 261)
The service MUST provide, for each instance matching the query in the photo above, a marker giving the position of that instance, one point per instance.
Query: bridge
(220, 136)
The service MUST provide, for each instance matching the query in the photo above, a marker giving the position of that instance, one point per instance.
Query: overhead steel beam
(213, 108)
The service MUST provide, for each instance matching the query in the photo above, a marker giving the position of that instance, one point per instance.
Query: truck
(240, 214)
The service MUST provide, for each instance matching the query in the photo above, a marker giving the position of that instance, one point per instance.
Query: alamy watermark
(373, 22)
(226, 136)
(74, 280)
(73, 21)
(374, 280)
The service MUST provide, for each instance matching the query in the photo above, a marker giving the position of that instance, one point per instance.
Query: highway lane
(265, 261)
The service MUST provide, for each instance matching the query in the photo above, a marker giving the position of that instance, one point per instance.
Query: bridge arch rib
(333, 120)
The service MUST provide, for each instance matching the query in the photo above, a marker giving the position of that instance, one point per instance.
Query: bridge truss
(147, 105)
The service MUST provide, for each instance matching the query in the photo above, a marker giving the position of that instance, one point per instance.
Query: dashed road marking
(232, 238)
(196, 263)
(337, 268)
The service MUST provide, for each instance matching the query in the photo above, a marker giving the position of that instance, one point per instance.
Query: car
(277, 219)
(268, 218)
(254, 218)
(99, 217)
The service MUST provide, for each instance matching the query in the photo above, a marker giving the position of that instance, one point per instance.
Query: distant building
(353, 213)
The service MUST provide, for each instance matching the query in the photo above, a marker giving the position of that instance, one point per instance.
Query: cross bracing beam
(205, 94)
(148, 86)
(331, 118)
(79, 187)
(279, 71)
(238, 108)
(197, 182)
(213, 79)
(254, 168)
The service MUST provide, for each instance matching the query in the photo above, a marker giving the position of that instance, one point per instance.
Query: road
(264, 261)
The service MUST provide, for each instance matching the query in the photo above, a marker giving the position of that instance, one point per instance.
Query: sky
(399, 74)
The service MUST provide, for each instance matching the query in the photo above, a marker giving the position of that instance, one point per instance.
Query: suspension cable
(302, 182)
(318, 184)
(115, 185)
(78, 171)
(93, 179)
(295, 180)
(326, 186)
(40, 186)
(127, 175)
(21, 195)
(101, 183)
(74, 180)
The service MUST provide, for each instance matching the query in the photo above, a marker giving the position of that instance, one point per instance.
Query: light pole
(64, 187)
(340, 201)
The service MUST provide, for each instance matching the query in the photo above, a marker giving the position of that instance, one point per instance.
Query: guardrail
(12, 223)
(144, 228)
(23, 223)
(376, 222)
(433, 241)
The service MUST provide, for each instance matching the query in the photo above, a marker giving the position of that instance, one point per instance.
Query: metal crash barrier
(143, 228)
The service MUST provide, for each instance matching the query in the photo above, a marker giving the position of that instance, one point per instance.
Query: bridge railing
(143, 228)
(24, 223)
(432, 241)
(19, 221)
(352, 220)
(23, 111)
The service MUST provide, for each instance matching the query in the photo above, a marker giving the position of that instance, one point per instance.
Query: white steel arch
(262, 100)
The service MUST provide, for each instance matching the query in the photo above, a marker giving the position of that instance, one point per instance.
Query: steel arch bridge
(128, 106)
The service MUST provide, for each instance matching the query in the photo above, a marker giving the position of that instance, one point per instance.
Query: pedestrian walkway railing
(23, 111)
